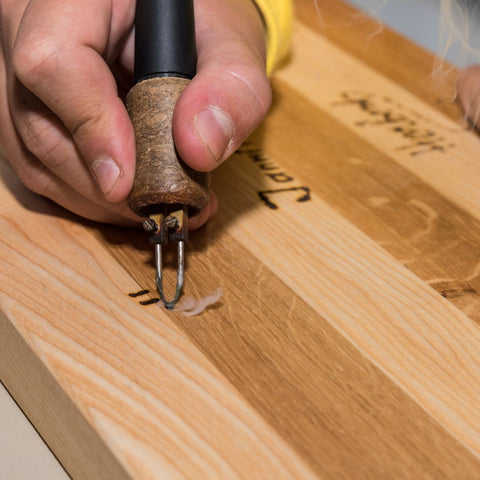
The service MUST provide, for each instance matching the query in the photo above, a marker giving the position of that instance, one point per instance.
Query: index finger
(58, 55)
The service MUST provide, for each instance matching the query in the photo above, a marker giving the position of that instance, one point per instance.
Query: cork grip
(161, 177)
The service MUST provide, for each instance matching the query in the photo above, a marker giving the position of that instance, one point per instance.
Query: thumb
(230, 95)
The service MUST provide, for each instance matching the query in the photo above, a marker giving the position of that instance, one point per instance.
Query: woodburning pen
(165, 191)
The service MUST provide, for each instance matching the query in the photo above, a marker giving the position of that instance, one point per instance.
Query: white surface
(23, 455)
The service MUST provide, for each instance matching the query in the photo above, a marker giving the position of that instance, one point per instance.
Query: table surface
(347, 243)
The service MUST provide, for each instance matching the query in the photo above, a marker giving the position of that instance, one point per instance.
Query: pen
(165, 191)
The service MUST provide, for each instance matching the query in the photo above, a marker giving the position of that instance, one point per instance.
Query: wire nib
(168, 226)
(169, 305)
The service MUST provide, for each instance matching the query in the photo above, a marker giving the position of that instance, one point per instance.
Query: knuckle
(42, 139)
(257, 92)
(35, 178)
(87, 120)
(34, 58)
(50, 187)
(84, 124)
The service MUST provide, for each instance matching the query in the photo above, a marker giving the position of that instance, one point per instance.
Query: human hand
(468, 92)
(66, 67)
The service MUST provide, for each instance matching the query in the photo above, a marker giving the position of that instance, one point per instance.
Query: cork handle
(161, 177)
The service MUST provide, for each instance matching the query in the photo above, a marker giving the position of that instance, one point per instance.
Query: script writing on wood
(276, 174)
(420, 133)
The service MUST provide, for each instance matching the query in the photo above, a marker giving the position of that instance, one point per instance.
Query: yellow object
(278, 16)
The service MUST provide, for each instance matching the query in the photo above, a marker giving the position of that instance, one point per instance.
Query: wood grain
(131, 373)
(347, 343)
(324, 384)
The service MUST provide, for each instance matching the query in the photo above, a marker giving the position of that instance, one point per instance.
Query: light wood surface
(347, 344)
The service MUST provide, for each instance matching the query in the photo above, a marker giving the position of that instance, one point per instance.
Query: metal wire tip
(170, 225)
(169, 305)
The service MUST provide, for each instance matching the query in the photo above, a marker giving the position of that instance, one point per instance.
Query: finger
(469, 93)
(58, 56)
(46, 137)
(11, 12)
(37, 178)
(46, 178)
(208, 212)
(230, 95)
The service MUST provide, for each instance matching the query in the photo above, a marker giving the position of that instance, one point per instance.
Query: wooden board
(347, 344)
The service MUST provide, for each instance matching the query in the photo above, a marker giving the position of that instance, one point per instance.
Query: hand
(66, 66)
(468, 87)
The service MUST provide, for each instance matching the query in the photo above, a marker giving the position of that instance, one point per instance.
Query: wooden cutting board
(347, 343)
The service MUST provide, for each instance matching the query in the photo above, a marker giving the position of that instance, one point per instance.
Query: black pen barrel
(164, 39)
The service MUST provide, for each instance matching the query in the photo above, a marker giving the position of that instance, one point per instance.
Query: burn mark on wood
(264, 195)
(150, 301)
(275, 173)
(420, 132)
(139, 294)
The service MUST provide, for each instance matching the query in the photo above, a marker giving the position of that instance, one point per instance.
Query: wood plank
(389, 314)
(324, 396)
(281, 384)
(423, 230)
(435, 149)
(148, 393)
(327, 356)
(451, 267)
(52, 410)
